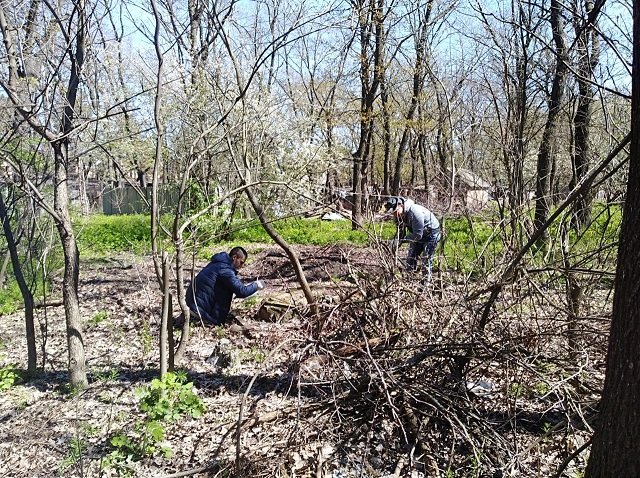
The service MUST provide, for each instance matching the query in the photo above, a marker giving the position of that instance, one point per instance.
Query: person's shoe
(178, 322)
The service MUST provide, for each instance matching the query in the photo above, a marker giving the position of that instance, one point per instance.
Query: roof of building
(471, 179)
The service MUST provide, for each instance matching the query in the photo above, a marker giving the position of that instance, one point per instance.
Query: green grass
(472, 244)
(469, 241)
(301, 231)
(100, 234)
(10, 297)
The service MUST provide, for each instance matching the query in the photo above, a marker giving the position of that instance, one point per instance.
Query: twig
(244, 398)
(571, 457)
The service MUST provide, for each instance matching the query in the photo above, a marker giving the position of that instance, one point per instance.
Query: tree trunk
(616, 441)
(157, 161)
(588, 49)
(548, 145)
(166, 351)
(418, 86)
(3, 269)
(293, 257)
(75, 335)
(60, 146)
(27, 296)
(386, 167)
(370, 23)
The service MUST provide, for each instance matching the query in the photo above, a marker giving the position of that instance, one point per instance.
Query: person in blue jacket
(209, 296)
(423, 228)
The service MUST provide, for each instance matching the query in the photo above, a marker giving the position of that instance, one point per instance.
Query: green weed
(109, 375)
(10, 298)
(100, 234)
(219, 332)
(516, 390)
(169, 398)
(541, 388)
(146, 337)
(8, 377)
(142, 442)
(163, 400)
(99, 317)
(76, 449)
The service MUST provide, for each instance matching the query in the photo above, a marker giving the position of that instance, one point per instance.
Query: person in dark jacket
(423, 228)
(209, 296)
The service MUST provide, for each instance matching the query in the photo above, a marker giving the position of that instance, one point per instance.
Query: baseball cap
(392, 203)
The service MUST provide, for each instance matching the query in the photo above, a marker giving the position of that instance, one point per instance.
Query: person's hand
(261, 285)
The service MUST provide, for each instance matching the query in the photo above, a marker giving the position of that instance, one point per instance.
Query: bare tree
(549, 144)
(588, 55)
(514, 44)
(372, 38)
(420, 34)
(73, 33)
(25, 290)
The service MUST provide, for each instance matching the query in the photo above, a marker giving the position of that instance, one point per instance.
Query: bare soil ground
(389, 381)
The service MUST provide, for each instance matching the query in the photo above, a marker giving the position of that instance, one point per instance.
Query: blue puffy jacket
(209, 297)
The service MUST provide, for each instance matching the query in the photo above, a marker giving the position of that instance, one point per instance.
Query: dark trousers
(425, 247)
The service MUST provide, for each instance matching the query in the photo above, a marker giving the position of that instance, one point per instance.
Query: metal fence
(127, 200)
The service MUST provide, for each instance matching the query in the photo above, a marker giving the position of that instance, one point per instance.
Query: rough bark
(616, 442)
(60, 146)
(371, 26)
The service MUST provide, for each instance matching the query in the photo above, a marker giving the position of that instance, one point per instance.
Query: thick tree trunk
(75, 335)
(370, 25)
(616, 442)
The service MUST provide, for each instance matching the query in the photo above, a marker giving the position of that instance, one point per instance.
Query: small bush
(169, 398)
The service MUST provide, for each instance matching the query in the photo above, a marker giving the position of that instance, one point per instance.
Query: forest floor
(370, 390)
